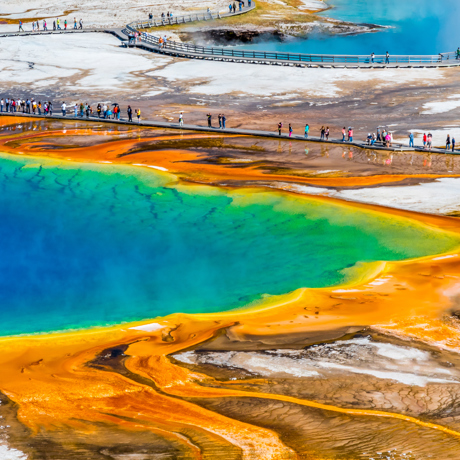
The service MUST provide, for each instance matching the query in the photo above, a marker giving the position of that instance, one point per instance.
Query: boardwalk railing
(185, 49)
(186, 18)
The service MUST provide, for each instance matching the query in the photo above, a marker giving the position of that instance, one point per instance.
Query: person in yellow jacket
(138, 113)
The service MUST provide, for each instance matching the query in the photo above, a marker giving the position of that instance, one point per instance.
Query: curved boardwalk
(183, 50)
(245, 132)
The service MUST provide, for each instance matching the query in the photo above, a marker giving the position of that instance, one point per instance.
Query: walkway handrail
(203, 15)
(322, 59)
(298, 57)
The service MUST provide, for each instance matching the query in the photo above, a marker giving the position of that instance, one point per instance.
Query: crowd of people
(56, 25)
(31, 106)
(382, 136)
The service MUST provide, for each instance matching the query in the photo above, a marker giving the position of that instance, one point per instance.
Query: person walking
(130, 114)
(327, 133)
(387, 58)
(75, 23)
(429, 141)
(45, 26)
(372, 57)
(350, 134)
(344, 134)
(54, 25)
(75, 110)
(307, 130)
(234, 7)
(411, 140)
(88, 111)
(323, 132)
(20, 26)
(99, 109)
(38, 25)
(181, 119)
(63, 108)
(58, 22)
(280, 125)
(290, 130)
(223, 121)
(118, 112)
(220, 120)
(138, 113)
(453, 144)
(424, 140)
(39, 107)
(81, 24)
(448, 143)
(378, 135)
(230, 8)
(209, 120)
(65, 24)
(2, 103)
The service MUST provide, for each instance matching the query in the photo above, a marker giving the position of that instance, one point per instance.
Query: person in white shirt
(2, 103)
(63, 108)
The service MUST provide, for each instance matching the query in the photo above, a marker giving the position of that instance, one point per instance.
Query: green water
(85, 245)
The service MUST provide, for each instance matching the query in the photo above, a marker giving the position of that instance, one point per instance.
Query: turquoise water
(418, 27)
(85, 245)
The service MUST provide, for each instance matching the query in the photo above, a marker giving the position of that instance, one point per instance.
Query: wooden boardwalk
(151, 43)
(396, 147)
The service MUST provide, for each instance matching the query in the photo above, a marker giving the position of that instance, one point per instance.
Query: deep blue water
(418, 27)
(87, 245)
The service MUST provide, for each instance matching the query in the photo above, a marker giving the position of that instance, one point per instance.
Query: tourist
(448, 143)
(290, 130)
(39, 107)
(88, 111)
(33, 26)
(429, 141)
(220, 120)
(81, 24)
(424, 140)
(138, 113)
(209, 120)
(75, 23)
(411, 139)
(20, 26)
(130, 113)
(307, 130)
(230, 7)
(58, 22)
(63, 108)
(280, 125)
(368, 138)
(99, 109)
(344, 131)
(38, 25)
(323, 130)
(378, 135)
(327, 133)
(223, 121)
(372, 57)
(234, 7)
(108, 113)
(2, 103)
(65, 24)
(387, 58)
(453, 144)
(7, 104)
(181, 119)
(75, 110)
(350, 134)
(54, 25)
(388, 139)
(240, 6)
(45, 25)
